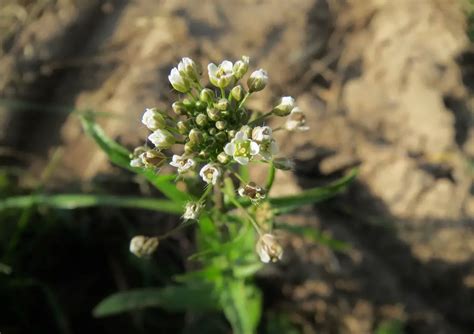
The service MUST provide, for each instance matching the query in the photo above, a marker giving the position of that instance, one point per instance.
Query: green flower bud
(188, 104)
(221, 125)
(204, 154)
(223, 104)
(207, 96)
(257, 81)
(179, 108)
(284, 107)
(162, 139)
(231, 133)
(221, 136)
(189, 148)
(195, 137)
(241, 67)
(212, 131)
(178, 81)
(188, 68)
(236, 93)
(213, 113)
(201, 120)
(183, 127)
(153, 119)
(223, 158)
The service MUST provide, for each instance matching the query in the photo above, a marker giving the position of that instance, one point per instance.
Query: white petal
(240, 135)
(254, 148)
(287, 100)
(212, 69)
(264, 257)
(227, 66)
(242, 160)
(229, 149)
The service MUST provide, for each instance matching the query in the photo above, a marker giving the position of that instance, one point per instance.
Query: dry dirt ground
(387, 86)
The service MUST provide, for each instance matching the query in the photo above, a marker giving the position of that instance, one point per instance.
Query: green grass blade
(288, 203)
(74, 201)
(197, 297)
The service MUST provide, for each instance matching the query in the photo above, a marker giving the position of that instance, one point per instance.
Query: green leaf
(288, 203)
(74, 201)
(314, 235)
(199, 297)
(242, 306)
(120, 156)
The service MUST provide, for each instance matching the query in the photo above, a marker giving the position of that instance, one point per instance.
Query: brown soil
(386, 86)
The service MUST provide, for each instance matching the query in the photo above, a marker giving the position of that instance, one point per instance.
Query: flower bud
(153, 158)
(247, 130)
(221, 125)
(237, 93)
(252, 191)
(221, 136)
(153, 119)
(188, 104)
(183, 127)
(195, 136)
(201, 120)
(213, 113)
(162, 139)
(179, 108)
(141, 245)
(207, 96)
(180, 83)
(135, 157)
(204, 154)
(268, 248)
(231, 133)
(222, 104)
(241, 67)
(223, 158)
(188, 68)
(287, 103)
(284, 164)
(212, 131)
(257, 81)
(192, 211)
(189, 148)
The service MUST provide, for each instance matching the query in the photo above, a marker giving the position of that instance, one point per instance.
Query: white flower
(268, 149)
(296, 121)
(257, 81)
(152, 119)
(262, 133)
(268, 248)
(241, 148)
(221, 76)
(210, 173)
(252, 191)
(178, 82)
(192, 211)
(141, 245)
(182, 162)
(287, 103)
(162, 139)
(188, 68)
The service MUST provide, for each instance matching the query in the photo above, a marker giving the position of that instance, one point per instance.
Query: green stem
(243, 100)
(222, 92)
(258, 119)
(270, 178)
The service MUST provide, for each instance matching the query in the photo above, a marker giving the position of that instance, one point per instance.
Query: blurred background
(386, 85)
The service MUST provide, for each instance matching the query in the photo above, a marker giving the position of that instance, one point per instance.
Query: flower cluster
(215, 129)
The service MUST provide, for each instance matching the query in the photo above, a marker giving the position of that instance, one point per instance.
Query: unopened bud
(257, 81)
(223, 158)
(141, 245)
(188, 103)
(153, 119)
(213, 113)
(231, 133)
(188, 68)
(221, 136)
(221, 125)
(241, 67)
(207, 95)
(236, 93)
(195, 136)
(204, 154)
(287, 103)
(178, 81)
(179, 108)
(162, 139)
(189, 148)
(201, 120)
(183, 127)
(222, 104)
(212, 131)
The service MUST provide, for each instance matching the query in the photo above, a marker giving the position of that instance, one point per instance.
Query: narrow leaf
(74, 201)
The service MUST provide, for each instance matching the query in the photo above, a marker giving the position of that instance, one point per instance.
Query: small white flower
(268, 248)
(257, 80)
(252, 191)
(152, 119)
(296, 121)
(268, 149)
(182, 162)
(210, 173)
(221, 76)
(287, 103)
(178, 81)
(162, 139)
(192, 211)
(262, 133)
(141, 245)
(241, 148)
